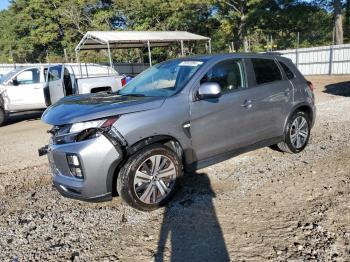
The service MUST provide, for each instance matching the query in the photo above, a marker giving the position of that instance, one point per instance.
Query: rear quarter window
(287, 71)
(266, 71)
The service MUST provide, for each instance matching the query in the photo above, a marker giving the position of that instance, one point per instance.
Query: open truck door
(54, 84)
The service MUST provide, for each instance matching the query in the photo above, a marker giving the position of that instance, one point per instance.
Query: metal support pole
(13, 60)
(78, 62)
(209, 46)
(47, 57)
(271, 43)
(182, 48)
(87, 70)
(65, 55)
(149, 53)
(110, 56)
(330, 70)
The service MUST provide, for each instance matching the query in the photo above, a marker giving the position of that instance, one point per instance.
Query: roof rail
(273, 53)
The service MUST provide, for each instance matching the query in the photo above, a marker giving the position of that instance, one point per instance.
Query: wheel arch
(128, 151)
(304, 107)
(162, 139)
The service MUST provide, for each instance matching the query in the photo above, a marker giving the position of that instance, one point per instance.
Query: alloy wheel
(154, 179)
(299, 132)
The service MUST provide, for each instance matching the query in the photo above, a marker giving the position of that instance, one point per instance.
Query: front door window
(29, 76)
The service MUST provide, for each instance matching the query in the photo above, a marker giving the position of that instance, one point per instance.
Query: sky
(4, 4)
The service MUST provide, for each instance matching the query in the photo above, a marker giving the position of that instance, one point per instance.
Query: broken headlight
(82, 131)
(79, 127)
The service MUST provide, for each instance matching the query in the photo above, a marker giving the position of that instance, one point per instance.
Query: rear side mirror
(209, 90)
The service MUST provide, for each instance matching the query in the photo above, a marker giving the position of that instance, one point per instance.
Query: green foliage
(347, 21)
(40, 30)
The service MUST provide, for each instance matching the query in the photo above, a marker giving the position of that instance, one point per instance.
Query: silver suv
(182, 114)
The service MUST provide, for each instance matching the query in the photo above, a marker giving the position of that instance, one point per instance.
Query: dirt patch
(263, 205)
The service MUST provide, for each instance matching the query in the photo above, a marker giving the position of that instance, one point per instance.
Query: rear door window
(55, 73)
(229, 74)
(266, 71)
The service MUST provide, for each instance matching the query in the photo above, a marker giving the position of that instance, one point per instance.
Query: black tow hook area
(43, 150)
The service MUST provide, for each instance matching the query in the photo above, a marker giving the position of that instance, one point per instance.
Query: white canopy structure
(98, 40)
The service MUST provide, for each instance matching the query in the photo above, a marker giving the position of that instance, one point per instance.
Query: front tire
(297, 133)
(148, 179)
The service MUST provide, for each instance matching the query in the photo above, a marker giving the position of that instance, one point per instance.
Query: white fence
(323, 60)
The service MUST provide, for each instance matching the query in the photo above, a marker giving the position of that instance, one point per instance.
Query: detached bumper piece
(43, 150)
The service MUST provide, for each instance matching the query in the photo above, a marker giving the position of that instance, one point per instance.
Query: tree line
(49, 30)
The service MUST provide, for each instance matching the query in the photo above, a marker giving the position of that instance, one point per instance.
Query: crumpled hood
(80, 108)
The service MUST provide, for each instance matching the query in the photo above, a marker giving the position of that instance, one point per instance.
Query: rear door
(270, 96)
(70, 71)
(54, 86)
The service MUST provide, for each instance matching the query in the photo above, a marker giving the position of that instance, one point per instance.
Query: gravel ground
(263, 205)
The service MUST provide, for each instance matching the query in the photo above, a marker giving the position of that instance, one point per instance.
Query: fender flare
(149, 141)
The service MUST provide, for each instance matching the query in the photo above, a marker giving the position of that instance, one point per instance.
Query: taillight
(310, 85)
(124, 81)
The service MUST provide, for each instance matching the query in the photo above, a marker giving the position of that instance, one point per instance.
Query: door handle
(37, 87)
(287, 92)
(247, 104)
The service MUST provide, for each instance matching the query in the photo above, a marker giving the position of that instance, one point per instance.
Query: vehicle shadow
(23, 116)
(338, 89)
(190, 225)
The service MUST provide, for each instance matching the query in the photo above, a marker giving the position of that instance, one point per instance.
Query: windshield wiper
(135, 95)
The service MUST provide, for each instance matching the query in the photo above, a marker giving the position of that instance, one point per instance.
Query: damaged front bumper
(96, 160)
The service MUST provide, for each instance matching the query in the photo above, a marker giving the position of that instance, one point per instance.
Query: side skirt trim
(227, 155)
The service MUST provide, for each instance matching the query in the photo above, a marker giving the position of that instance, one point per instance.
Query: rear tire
(297, 133)
(148, 179)
(3, 116)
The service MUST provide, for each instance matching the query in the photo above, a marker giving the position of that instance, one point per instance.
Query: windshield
(164, 79)
(10, 74)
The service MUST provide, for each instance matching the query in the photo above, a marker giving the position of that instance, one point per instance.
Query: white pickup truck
(36, 87)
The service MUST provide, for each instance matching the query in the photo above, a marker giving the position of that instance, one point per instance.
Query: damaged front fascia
(112, 134)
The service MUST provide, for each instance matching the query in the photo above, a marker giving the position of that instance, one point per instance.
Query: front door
(220, 124)
(25, 91)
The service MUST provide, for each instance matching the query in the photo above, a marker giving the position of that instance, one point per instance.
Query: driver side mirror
(209, 90)
(13, 82)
